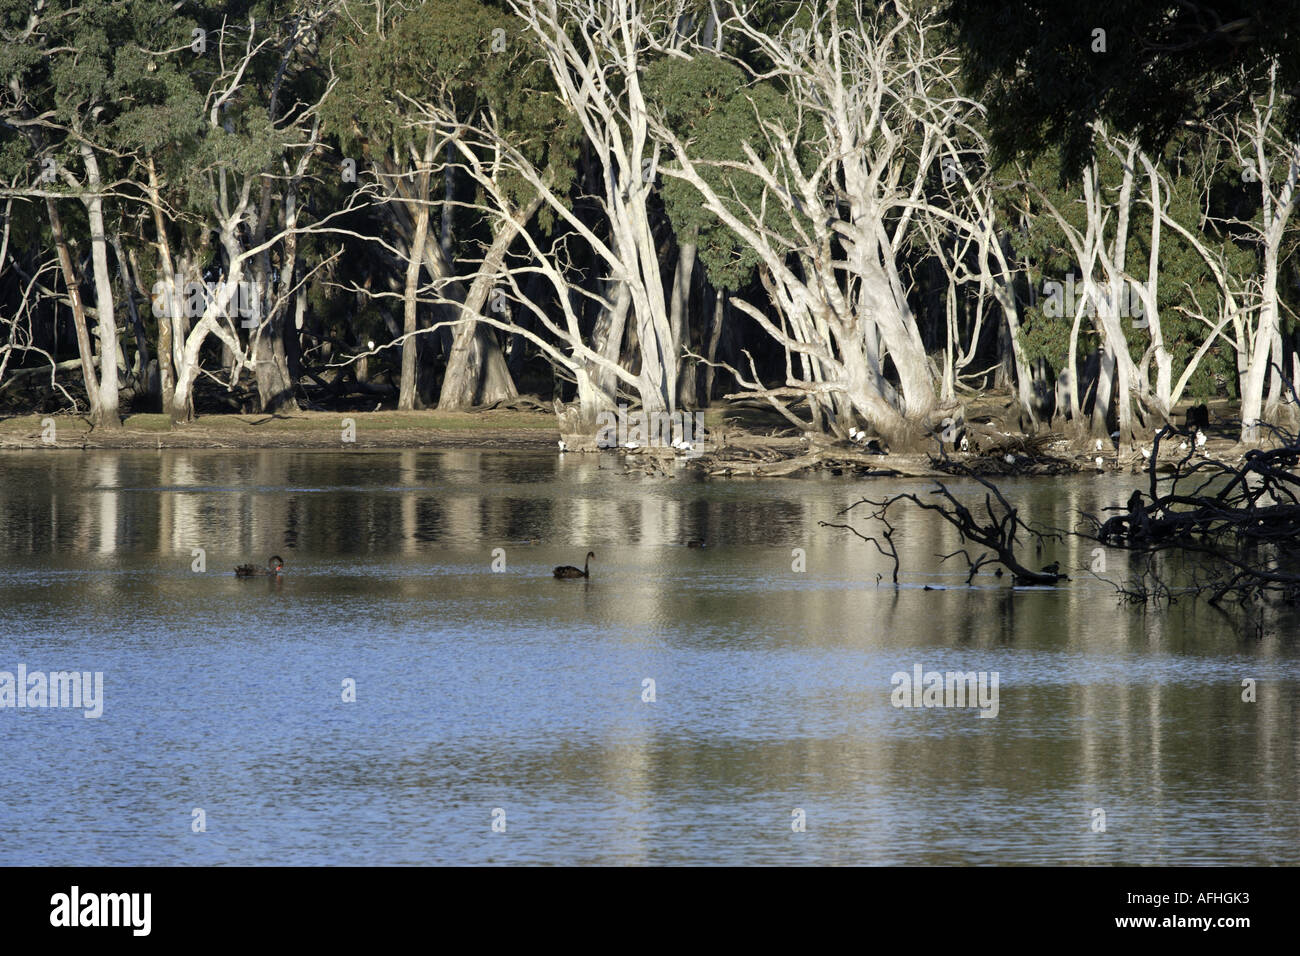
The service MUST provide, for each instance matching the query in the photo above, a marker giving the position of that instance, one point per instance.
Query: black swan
(273, 567)
(569, 571)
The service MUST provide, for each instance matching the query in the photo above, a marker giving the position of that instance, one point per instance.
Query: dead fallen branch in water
(1237, 525)
(1241, 522)
(999, 530)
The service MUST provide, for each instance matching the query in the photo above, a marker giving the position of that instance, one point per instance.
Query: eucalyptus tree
(1149, 71)
(61, 69)
(220, 194)
(541, 278)
(1131, 261)
(1107, 293)
(408, 77)
(1269, 158)
(160, 101)
(502, 81)
(712, 103)
(595, 52)
(293, 89)
(380, 52)
(876, 108)
(159, 121)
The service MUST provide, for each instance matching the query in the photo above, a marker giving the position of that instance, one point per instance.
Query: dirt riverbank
(739, 445)
(421, 429)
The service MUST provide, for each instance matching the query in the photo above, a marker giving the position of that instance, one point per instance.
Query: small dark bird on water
(695, 543)
(273, 567)
(569, 571)
(997, 573)
(1053, 568)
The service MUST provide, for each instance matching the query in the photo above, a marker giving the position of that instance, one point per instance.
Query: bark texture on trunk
(477, 373)
(415, 256)
(106, 411)
(78, 307)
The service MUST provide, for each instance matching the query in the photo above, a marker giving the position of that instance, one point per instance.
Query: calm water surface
(478, 690)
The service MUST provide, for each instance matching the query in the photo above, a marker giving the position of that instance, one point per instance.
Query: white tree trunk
(105, 414)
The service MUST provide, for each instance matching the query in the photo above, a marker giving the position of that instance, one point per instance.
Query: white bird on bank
(965, 443)
(631, 444)
(563, 447)
(1009, 459)
(1101, 462)
(1200, 438)
(1182, 446)
(1146, 453)
(1098, 444)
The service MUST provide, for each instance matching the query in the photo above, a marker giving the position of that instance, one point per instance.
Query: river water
(505, 697)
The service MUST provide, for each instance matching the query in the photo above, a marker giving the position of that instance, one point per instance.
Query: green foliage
(712, 107)
(121, 76)
(469, 57)
(1186, 285)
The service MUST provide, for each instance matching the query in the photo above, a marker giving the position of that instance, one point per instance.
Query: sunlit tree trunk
(476, 370)
(105, 412)
(73, 287)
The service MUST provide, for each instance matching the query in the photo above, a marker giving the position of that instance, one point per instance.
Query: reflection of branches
(888, 535)
(973, 565)
(1230, 530)
(998, 531)
(1149, 586)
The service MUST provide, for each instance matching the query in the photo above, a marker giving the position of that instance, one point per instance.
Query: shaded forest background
(853, 215)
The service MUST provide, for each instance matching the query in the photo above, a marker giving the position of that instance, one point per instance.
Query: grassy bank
(384, 429)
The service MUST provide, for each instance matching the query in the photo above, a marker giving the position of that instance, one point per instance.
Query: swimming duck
(569, 571)
(273, 567)
(695, 543)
